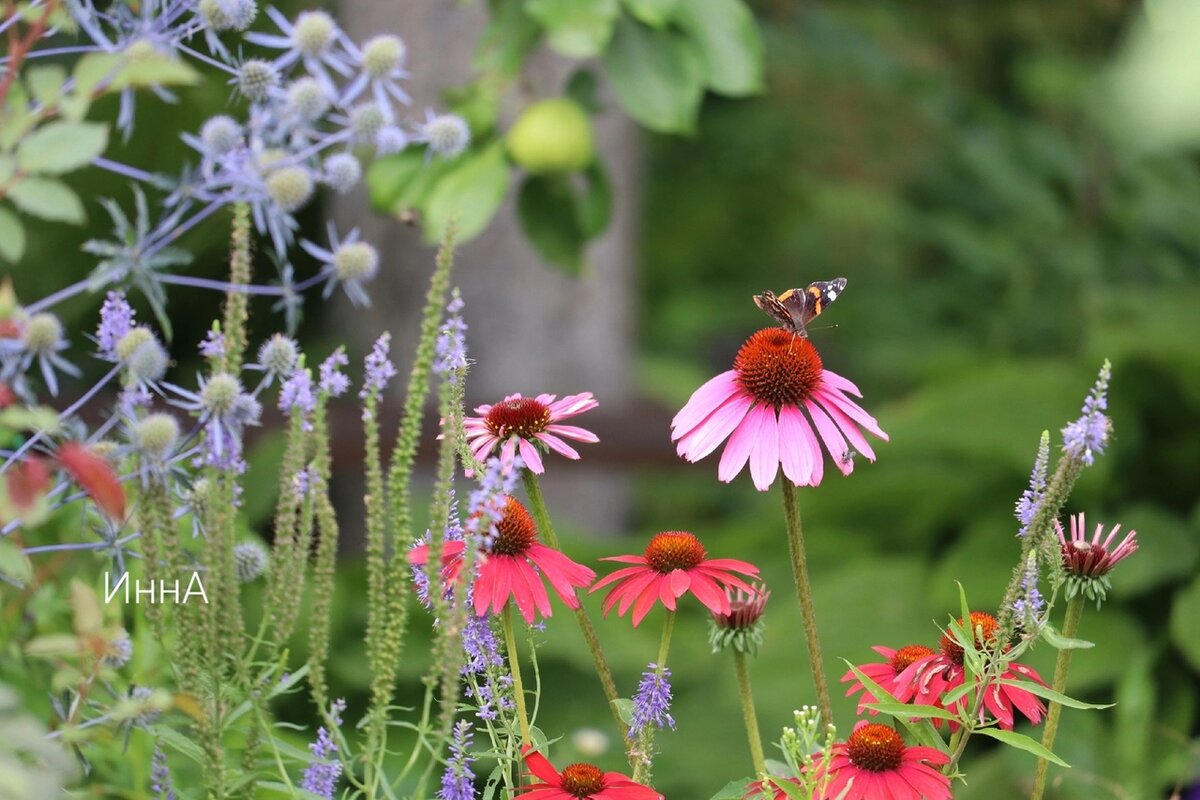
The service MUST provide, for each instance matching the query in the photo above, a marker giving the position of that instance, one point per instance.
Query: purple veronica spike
(379, 369)
(652, 703)
(116, 319)
(458, 781)
(321, 776)
(333, 381)
(1031, 499)
(1087, 436)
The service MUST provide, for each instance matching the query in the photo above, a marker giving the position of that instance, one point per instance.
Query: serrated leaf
(728, 42)
(49, 199)
(575, 28)
(655, 13)
(59, 147)
(1022, 742)
(657, 75)
(469, 196)
(12, 236)
(45, 82)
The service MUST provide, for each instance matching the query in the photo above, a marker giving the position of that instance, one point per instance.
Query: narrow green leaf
(93, 69)
(912, 711)
(12, 236)
(1022, 742)
(732, 790)
(49, 199)
(1060, 642)
(657, 76)
(469, 196)
(729, 44)
(59, 147)
(1049, 694)
(574, 28)
(180, 743)
(923, 730)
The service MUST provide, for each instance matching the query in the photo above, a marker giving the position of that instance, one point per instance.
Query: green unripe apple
(552, 136)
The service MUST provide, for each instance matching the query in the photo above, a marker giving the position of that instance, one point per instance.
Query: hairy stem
(1061, 667)
(791, 510)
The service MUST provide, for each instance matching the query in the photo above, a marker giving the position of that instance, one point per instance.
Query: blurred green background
(961, 165)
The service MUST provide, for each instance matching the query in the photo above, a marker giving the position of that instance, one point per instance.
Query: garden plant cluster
(164, 680)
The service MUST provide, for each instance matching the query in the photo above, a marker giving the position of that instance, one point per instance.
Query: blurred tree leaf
(730, 48)
(59, 147)
(1135, 717)
(12, 236)
(46, 82)
(404, 181)
(655, 13)
(508, 38)
(559, 218)
(49, 199)
(657, 75)
(575, 28)
(1167, 549)
(1185, 621)
(469, 195)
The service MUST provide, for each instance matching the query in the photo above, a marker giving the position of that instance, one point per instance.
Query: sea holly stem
(1061, 667)
(537, 505)
(510, 641)
(791, 511)
(748, 714)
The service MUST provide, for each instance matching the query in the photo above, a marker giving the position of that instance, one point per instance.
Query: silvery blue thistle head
(250, 560)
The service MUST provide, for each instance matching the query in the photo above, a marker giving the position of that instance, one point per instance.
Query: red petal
(27, 482)
(95, 476)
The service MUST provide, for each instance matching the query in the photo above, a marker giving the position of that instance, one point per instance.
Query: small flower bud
(367, 120)
(128, 344)
(290, 187)
(278, 355)
(256, 78)
(307, 99)
(447, 135)
(382, 54)
(220, 134)
(221, 393)
(342, 172)
(148, 363)
(313, 32)
(357, 261)
(42, 333)
(155, 436)
(224, 15)
(249, 561)
(119, 650)
(391, 139)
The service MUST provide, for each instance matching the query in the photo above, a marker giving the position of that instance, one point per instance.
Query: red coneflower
(884, 673)
(1088, 562)
(513, 565)
(772, 406)
(524, 423)
(673, 564)
(579, 782)
(926, 680)
(875, 764)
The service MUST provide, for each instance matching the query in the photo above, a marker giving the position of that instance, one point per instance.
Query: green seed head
(221, 393)
(382, 54)
(290, 187)
(155, 436)
(357, 261)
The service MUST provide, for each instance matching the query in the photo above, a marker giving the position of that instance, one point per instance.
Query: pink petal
(837, 381)
(557, 445)
(835, 443)
(764, 458)
(507, 452)
(539, 766)
(852, 410)
(708, 592)
(744, 567)
(704, 401)
(645, 602)
(847, 426)
(795, 454)
(679, 581)
(620, 574)
(531, 456)
(573, 432)
(522, 592)
(571, 405)
(710, 432)
(737, 451)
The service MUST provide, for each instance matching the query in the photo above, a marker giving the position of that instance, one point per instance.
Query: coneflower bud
(742, 628)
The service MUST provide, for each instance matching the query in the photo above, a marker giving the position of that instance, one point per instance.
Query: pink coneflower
(928, 679)
(884, 673)
(673, 564)
(772, 406)
(874, 764)
(513, 566)
(579, 782)
(756, 790)
(1088, 562)
(520, 423)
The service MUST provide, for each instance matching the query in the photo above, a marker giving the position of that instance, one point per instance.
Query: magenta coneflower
(772, 406)
(927, 680)
(513, 566)
(673, 564)
(1088, 562)
(884, 673)
(579, 782)
(875, 764)
(521, 423)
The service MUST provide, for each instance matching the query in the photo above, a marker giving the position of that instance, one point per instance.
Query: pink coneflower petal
(796, 457)
(847, 427)
(557, 445)
(852, 410)
(764, 458)
(708, 397)
(573, 432)
(526, 425)
(737, 451)
(834, 441)
(531, 457)
(714, 429)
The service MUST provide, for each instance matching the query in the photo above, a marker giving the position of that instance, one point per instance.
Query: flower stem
(743, 678)
(510, 639)
(541, 515)
(1061, 667)
(791, 510)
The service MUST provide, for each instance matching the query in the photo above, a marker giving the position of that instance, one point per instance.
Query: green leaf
(1050, 694)
(1060, 642)
(509, 36)
(52, 645)
(546, 208)
(59, 147)
(156, 69)
(912, 711)
(657, 76)
(624, 709)
(655, 13)
(38, 419)
(46, 82)
(92, 70)
(1185, 621)
(12, 236)
(575, 28)
(583, 88)
(273, 788)
(1022, 743)
(49, 199)
(732, 790)
(14, 565)
(730, 48)
(404, 181)
(469, 196)
(923, 731)
(595, 203)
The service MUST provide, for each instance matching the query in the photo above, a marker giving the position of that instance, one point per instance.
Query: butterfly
(795, 308)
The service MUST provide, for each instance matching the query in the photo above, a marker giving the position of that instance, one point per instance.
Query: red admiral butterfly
(795, 308)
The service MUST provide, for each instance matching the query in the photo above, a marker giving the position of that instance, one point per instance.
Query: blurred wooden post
(532, 328)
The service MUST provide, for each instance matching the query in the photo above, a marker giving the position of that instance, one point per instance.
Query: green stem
(791, 510)
(541, 515)
(743, 678)
(1061, 667)
(664, 644)
(510, 639)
